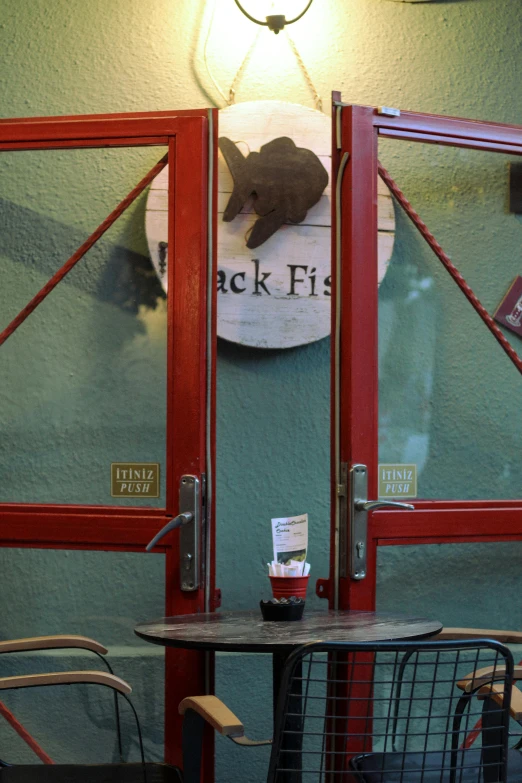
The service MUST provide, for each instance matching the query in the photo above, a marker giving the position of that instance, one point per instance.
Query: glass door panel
(448, 394)
(84, 377)
(462, 585)
(97, 594)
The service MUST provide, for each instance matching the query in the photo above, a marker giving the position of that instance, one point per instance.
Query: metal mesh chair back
(392, 713)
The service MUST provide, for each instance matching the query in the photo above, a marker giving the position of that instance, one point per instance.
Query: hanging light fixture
(274, 22)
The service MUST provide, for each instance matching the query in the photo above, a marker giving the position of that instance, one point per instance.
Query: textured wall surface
(449, 397)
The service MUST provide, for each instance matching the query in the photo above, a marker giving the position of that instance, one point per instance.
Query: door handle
(369, 505)
(181, 519)
(190, 534)
(358, 519)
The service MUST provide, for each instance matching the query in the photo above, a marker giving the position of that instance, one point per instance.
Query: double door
(108, 384)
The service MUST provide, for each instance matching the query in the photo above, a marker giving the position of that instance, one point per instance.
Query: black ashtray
(282, 609)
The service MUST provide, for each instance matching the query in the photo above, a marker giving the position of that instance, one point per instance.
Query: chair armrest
(486, 675)
(66, 678)
(506, 637)
(495, 691)
(60, 641)
(198, 710)
(215, 712)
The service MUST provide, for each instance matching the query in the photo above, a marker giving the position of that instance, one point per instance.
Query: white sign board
(278, 295)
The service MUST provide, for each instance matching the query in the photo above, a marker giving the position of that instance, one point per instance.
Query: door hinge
(388, 111)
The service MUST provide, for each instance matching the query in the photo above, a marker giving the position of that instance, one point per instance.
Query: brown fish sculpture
(285, 180)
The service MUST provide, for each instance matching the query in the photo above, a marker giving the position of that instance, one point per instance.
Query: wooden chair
(343, 714)
(55, 642)
(79, 773)
(505, 637)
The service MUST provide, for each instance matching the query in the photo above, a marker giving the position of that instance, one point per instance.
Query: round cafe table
(247, 632)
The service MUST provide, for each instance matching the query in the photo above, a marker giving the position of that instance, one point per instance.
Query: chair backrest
(392, 712)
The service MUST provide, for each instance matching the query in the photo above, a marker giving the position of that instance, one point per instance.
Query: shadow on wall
(109, 272)
(97, 340)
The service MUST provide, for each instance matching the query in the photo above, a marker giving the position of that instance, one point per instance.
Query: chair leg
(493, 730)
(193, 728)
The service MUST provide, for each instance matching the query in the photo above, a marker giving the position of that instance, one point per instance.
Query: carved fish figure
(286, 182)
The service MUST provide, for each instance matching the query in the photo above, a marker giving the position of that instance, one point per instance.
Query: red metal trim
(186, 392)
(23, 528)
(451, 141)
(450, 523)
(24, 734)
(88, 547)
(81, 527)
(461, 505)
(23, 523)
(358, 335)
(148, 115)
(140, 141)
(114, 126)
(186, 384)
(358, 237)
(80, 510)
(456, 127)
(441, 539)
(171, 489)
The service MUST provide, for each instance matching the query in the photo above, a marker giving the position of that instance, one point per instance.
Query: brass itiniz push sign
(135, 479)
(397, 481)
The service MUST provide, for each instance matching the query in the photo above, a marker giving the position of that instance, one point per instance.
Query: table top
(247, 632)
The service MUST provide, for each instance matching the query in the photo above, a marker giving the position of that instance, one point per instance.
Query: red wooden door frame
(354, 433)
(190, 137)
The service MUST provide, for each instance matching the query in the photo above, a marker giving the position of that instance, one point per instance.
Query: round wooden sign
(274, 180)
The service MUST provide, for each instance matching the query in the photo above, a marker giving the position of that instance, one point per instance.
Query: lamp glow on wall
(276, 20)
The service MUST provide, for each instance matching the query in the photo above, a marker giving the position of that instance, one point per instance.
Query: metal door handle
(181, 519)
(190, 521)
(369, 505)
(356, 546)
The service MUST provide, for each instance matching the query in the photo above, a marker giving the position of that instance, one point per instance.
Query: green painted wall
(449, 398)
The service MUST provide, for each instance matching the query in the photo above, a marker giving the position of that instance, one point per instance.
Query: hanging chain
(232, 91)
(230, 100)
(317, 98)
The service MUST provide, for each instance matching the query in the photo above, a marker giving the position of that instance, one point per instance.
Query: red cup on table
(287, 586)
